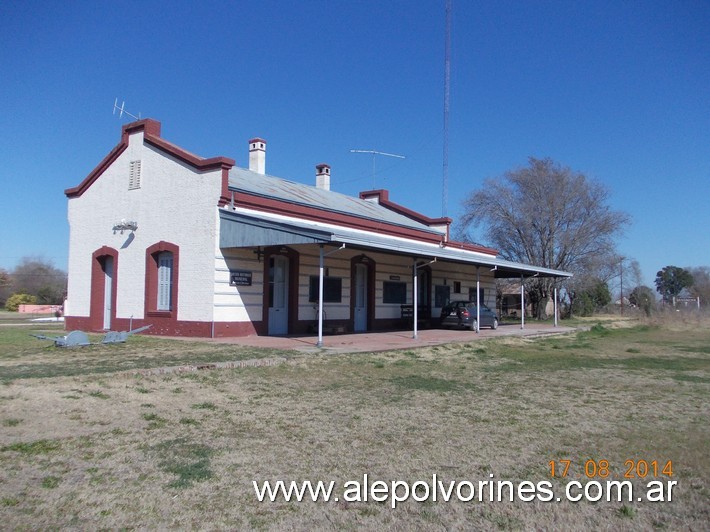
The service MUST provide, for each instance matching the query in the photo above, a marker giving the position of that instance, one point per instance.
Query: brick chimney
(323, 176)
(257, 155)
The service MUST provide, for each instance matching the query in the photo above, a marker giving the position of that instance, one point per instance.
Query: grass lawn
(86, 444)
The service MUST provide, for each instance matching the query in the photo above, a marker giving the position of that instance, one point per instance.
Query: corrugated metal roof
(241, 179)
(312, 232)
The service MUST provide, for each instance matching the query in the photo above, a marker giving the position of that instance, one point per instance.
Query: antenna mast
(375, 153)
(122, 111)
(447, 91)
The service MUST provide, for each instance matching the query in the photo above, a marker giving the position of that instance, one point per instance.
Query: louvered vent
(134, 176)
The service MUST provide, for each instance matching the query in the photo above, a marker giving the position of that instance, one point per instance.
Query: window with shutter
(162, 274)
(165, 280)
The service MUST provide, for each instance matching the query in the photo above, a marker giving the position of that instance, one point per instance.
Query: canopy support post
(555, 296)
(522, 302)
(321, 272)
(478, 300)
(320, 297)
(415, 298)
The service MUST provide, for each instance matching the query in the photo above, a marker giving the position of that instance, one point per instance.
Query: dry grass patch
(25, 357)
(182, 450)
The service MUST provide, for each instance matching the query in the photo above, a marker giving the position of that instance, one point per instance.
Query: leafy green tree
(582, 305)
(644, 298)
(15, 300)
(604, 268)
(671, 280)
(601, 295)
(592, 299)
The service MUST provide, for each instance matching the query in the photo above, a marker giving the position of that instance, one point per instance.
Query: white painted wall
(236, 304)
(177, 204)
(174, 203)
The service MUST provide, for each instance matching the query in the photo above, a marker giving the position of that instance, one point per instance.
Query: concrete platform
(389, 340)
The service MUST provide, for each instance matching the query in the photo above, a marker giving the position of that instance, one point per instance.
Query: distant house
(201, 247)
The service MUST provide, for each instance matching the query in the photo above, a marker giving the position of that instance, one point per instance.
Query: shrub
(583, 305)
(643, 298)
(15, 300)
(592, 299)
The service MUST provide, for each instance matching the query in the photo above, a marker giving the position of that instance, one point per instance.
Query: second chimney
(323, 176)
(257, 155)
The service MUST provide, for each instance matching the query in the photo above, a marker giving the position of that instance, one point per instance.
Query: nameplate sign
(239, 278)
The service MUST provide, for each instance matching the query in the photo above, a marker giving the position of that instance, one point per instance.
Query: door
(108, 290)
(360, 307)
(423, 294)
(278, 295)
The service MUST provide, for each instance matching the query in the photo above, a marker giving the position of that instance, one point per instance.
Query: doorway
(362, 293)
(107, 267)
(278, 295)
(361, 298)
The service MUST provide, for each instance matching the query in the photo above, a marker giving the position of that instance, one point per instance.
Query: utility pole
(621, 283)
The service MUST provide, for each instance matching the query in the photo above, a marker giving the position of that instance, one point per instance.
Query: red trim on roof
(189, 158)
(470, 247)
(147, 125)
(224, 197)
(383, 199)
(151, 134)
(96, 172)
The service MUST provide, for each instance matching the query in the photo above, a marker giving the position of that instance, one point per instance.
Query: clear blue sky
(617, 90)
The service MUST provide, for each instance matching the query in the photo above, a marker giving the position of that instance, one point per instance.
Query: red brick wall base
(199, 329)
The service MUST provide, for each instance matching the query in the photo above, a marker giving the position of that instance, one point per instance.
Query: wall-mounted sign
(239, 278)
(394, 277)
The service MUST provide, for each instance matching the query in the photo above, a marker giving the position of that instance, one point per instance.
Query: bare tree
(4, 278)
(548, 215)
(701, 284)
(626, 274)
(5, 284)
(39, 277)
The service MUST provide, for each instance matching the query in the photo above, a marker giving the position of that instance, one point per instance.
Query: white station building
(201, 247)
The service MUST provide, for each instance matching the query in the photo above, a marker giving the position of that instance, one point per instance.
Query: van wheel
(495, 324)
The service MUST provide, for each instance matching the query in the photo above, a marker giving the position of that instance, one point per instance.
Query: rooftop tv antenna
(122, 111)
(375, 153)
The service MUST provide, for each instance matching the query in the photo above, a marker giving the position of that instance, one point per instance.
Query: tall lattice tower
(447, 93)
